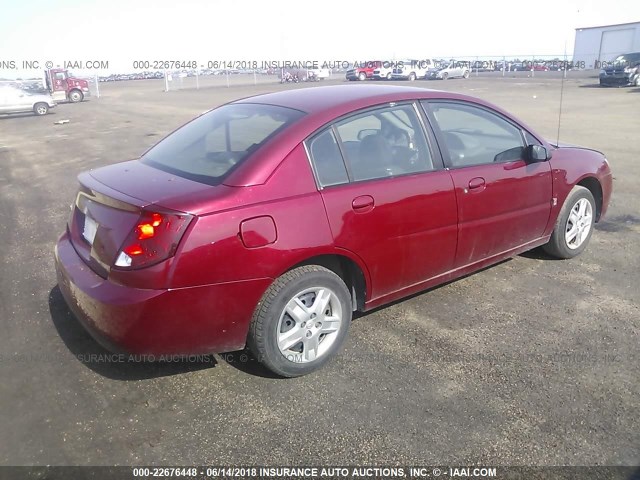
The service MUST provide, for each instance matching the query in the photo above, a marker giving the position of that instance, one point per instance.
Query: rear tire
(574, 225)
(465, 74)
(40, 108)
(301, 321)
(362, 76)
(445, 76)
(412, 77)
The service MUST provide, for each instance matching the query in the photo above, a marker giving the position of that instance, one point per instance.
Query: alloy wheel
(309, 324)
(579, 223)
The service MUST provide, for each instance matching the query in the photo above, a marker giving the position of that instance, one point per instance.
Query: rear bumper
(196, 320)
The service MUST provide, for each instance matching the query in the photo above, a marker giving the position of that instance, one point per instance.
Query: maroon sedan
(267, 221)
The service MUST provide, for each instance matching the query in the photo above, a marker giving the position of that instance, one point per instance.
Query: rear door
(503, 201)
(387, 197)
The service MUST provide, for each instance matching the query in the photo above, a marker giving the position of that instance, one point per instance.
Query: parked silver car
(448, 70)
(15, 100)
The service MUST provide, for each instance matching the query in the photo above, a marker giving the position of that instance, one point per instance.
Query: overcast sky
(121, 31)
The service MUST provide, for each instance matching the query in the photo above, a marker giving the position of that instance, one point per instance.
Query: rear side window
(327, 159)
(209, 147)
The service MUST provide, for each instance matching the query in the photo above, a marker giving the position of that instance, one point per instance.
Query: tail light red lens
(154, 238)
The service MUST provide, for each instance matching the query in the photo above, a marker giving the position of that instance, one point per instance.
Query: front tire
(301, 321)
(362, 76)
(76, 96)
(574, 225)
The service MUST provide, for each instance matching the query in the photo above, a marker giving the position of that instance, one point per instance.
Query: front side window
(207, 148)
(475, 136)
(384, 143)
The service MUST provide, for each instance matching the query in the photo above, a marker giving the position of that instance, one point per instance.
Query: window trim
(429, 136)
(426, 107)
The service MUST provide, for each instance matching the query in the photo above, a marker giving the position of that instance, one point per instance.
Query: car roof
(340, 97)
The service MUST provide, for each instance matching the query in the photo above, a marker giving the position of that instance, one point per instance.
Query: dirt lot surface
(532, 361)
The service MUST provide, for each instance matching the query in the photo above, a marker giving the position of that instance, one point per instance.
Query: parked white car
(384, 71)
(411, 69)
(15, 100)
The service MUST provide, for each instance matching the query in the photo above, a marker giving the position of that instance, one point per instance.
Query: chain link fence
(529, 65)
(180, 80)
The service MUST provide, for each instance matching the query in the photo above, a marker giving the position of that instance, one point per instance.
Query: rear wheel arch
(593, 185)
(347, 269)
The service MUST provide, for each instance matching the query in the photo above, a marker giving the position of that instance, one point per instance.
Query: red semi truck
(65, 88)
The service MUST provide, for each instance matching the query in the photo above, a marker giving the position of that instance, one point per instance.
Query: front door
(503, 201)
(58, 79)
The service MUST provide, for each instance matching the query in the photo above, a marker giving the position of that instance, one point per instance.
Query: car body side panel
(214, 252)
(570, 165)
(407, 236)
(453, 274)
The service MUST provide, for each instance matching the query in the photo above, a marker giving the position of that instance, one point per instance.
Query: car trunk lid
(101, 219)
(112, 199)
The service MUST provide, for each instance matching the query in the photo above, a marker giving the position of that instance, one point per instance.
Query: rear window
(210, 146)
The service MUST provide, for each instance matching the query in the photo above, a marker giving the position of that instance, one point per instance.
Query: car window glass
(243, 133)
(531, 140)
(384, 143)
(207, 148)
(327, 160)
(475, 136)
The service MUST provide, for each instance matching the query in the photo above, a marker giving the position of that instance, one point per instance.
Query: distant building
(595, 45)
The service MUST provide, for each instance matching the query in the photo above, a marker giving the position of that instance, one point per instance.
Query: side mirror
(536, 153)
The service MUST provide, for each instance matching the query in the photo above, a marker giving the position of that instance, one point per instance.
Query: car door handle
(476, 184)
(363, 204)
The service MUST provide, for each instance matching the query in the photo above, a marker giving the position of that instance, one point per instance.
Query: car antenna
(564, 75)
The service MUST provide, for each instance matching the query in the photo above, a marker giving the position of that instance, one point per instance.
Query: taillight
(154, 239)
